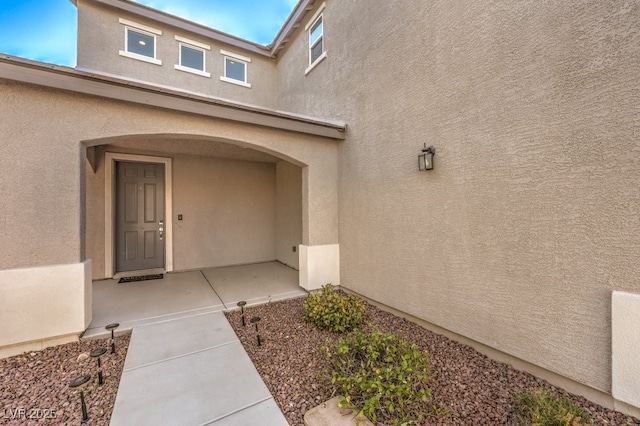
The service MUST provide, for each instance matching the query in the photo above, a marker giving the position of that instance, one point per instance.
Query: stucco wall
(101, 37)
(530, 218)
(288, 212)
(229, 212)
(40, 184)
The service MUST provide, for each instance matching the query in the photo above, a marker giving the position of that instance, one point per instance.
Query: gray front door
(139, 216)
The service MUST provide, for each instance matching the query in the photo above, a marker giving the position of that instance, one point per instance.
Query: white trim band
(235, 56)
(234, 81)
(192, 70)
(193, 43)
(139, 26)
(316, 62)
(315, 16)
(140, 57)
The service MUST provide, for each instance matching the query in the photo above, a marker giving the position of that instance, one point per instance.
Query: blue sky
(45, 30)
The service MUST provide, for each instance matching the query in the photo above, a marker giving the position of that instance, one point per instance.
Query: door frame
(110, 160)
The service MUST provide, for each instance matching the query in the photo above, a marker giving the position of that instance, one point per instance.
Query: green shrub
(382, 376)
(539, 408)
(334, 310)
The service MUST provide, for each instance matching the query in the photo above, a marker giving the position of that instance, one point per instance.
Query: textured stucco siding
(531, 216)
(288, 212)
(41, 183)
(229, 212)
(101, 37)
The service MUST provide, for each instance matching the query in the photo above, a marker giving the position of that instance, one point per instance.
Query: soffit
(293, 22)
(193, 146)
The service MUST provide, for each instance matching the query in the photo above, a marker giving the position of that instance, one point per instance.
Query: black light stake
(97, 353)
(256, 320)
(112, 327)
(77, 383)
(242, 303)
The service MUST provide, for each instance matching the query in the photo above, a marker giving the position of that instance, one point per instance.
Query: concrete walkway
(185, 365)
(191, 371)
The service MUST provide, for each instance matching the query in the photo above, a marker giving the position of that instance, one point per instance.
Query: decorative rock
(329, 414)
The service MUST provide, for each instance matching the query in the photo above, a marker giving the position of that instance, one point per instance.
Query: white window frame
(238, 58)
(143, 29)
(191, 44)
(312, 22)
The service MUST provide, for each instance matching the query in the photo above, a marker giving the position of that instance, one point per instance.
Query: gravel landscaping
(468, 387)
(34, 386)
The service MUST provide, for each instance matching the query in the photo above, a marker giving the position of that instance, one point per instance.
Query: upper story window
(315, 28)
(235, 68)
(140, 42)
(315, 41)
(192, 56)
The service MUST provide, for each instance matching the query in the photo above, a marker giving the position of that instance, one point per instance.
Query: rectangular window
(315, 41)
(140, 42)
(192, 56)
(235, 68)
(315, 29)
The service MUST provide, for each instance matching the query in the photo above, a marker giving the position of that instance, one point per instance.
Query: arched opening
(225, 203)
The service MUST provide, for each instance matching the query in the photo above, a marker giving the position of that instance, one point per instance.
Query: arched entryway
(226, 203)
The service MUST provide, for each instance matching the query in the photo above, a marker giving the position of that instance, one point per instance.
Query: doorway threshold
(125, 274)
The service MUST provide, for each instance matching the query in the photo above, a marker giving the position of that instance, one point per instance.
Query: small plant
(382, 376)
(334, 310)
(539, 408)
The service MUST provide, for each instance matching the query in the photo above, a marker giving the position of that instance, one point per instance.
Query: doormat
(141, 278)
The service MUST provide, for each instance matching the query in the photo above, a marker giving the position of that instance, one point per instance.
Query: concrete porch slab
(146, 302)
(256, 283)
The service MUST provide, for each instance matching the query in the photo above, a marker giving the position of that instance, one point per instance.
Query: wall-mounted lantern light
(425, 159)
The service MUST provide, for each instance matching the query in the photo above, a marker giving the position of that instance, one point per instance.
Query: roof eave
(65, 78)
(190, 26)
(290, 26)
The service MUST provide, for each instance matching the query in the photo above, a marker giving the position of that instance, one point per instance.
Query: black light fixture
(256, 320)
(111, 328)
(97, 353)
(79, 382)
(242, 304)
(425, 159)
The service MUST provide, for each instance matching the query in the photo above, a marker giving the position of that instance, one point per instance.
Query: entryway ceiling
(193, 146)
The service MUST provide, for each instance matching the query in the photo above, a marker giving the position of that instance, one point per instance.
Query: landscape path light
(111, 328)
(256, 320)
(242, 304)
(97, 353)
(79, 382)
